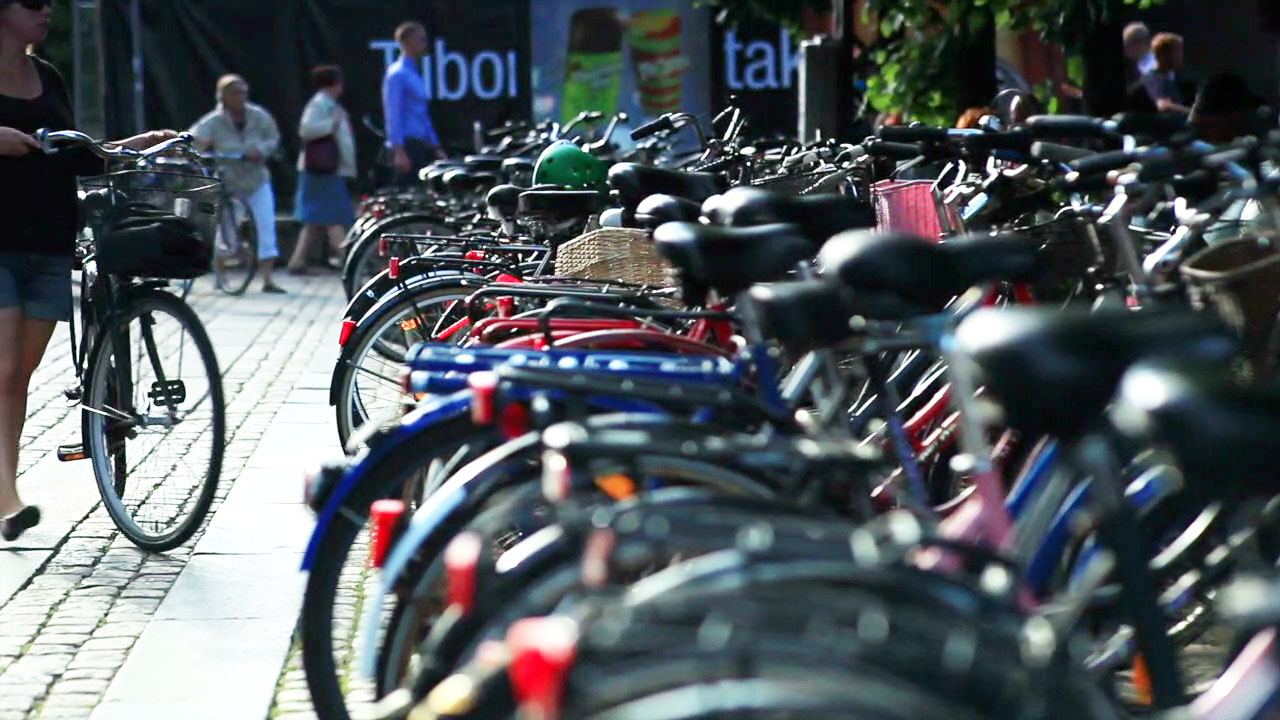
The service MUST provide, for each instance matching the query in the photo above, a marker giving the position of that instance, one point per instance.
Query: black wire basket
(154, 224)
(1069, 252)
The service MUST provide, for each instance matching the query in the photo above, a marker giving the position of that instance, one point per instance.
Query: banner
(642, 57)
(758, 62)
(477, 69)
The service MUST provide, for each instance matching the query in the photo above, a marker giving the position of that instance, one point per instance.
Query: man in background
(410, 134)
(1137, 52)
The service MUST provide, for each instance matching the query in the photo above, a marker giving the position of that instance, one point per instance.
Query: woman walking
(325, 166)
(37, 238)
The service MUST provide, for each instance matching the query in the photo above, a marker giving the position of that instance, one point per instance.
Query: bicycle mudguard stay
(431, 413)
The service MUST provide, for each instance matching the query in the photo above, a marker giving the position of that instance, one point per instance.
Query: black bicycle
(154, 419)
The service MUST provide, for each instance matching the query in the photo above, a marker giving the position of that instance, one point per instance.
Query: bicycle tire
(316, 621)
(245, 249)
(350, 412)
(113, 481)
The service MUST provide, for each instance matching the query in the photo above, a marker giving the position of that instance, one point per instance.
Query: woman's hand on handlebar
(15, 143)
(147, 139)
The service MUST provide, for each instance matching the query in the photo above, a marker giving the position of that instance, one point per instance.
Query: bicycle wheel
(368, 380)
(154, 420)
(235, 257)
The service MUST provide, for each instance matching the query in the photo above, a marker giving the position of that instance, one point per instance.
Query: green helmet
(566, 164)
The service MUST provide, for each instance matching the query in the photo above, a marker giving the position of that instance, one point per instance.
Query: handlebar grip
(894, 150)
(1074, 126)
(1011, 140)
(1150, 124)
(1166, 166)
(1104, 161)
(1059, 153)
(912, 134)
(653, 127)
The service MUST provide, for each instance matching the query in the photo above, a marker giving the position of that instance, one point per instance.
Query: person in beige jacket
(246, 136)
(323, 202)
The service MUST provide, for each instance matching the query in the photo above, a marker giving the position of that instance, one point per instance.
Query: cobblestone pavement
(75, 595)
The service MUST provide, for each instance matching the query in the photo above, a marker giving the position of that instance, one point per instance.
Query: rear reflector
(542, 652)
(348, 327)
(461, 559)
(484, 397)
(393, 268)
(383, 517)
(384, 246)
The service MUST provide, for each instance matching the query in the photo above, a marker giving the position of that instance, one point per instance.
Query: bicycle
(235, 257)
(138, 386)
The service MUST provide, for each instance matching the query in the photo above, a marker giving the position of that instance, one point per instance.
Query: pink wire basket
(907, 206)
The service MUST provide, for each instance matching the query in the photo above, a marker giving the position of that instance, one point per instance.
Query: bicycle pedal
(74, 451)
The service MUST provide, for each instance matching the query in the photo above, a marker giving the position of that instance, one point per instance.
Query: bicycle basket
(1240, 279)
(1068, 252)
(907, 206)
(617, 254)
(796, 184)
(157, 224)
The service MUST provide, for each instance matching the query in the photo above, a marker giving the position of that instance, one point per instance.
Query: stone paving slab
(84, 615)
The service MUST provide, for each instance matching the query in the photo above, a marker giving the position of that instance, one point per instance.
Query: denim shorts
(38, 284)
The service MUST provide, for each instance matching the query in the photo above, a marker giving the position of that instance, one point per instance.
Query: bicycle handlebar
(51, 139)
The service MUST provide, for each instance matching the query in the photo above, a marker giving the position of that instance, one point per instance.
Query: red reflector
(384, 247)
(484, 396)
(383, 516)
(474, 255)
(348, 327)
(393, 268)
(542, 652)
(506, 306)
(513, 421)
(508, 278)
(460, 561)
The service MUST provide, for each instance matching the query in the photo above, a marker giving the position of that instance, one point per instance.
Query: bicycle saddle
(1223, 434)
(433, 175)
(1054, 371)
(516, 166)
(815, 312)
(658, 209)
(819, 216)
(730, 260)
(634, 182)
(560, 204)
(465, 181)
(504, 200)
(483, 163)
(923, 272)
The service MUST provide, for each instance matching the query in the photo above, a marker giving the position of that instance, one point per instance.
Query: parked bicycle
(153, 412)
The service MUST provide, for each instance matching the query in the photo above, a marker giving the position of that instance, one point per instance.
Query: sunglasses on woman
(35, 5)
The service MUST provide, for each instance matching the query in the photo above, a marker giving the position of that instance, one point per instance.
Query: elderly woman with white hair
(238, 127)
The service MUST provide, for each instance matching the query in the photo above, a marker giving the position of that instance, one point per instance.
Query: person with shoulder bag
(325, 167)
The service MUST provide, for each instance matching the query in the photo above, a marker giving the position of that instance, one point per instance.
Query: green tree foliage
(920, 41)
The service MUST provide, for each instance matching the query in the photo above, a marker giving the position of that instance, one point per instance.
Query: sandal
(12, 527)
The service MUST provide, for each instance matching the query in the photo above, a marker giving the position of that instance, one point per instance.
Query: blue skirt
(323, 200)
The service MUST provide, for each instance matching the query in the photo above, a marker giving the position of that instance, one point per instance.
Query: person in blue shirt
(410, 134)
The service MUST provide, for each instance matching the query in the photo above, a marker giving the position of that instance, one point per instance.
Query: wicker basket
(1240, 279)
(615, 254)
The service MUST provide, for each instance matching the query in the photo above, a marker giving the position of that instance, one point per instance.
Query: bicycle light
(384, 516)
(348, 327)
(461, 561)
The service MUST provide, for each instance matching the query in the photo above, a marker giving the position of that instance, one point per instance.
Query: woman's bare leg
(28, 338)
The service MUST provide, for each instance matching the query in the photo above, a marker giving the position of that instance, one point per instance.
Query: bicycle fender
(421, 420)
